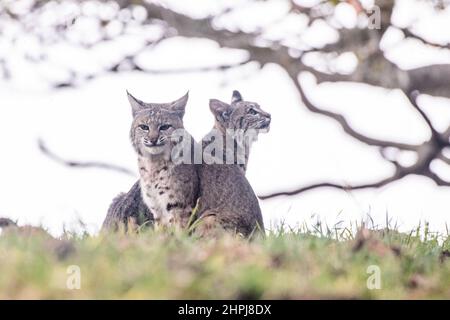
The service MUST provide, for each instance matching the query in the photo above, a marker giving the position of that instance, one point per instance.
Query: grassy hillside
(284, 265)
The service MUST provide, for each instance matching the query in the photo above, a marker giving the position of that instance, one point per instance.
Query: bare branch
(412, 97)
(409, 34)
(444, 158)
(432, 80)
(399, 174)
(132, 66)
(79, 164)
(345, 125)
(438, 180)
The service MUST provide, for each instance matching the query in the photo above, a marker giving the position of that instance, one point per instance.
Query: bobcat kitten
(239, 122)
(227, 200)
(169, 190)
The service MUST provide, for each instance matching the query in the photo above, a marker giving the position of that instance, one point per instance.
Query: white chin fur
(155, 150)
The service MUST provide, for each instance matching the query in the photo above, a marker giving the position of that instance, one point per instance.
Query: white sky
(91, 122)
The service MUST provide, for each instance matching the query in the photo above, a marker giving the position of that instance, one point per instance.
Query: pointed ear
(136, 104)
(179, 106)
(237, 97)
(221, 110)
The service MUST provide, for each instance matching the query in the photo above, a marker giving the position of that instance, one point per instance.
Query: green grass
(284, 265)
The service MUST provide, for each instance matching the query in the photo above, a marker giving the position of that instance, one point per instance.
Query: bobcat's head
(154, 123)
(240, 114)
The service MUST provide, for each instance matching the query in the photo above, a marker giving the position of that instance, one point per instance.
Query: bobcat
(227, 200)
(239, 122)
(128, 208)
(238, 115)
(168, 189)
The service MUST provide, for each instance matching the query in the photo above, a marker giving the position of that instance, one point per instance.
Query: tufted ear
(237, 97)
(179, 106)
(136, 104)
(221, 110)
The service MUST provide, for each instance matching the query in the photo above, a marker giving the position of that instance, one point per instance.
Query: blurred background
(358, 91)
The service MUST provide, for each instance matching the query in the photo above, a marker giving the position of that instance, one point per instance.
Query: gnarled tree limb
(81, 164)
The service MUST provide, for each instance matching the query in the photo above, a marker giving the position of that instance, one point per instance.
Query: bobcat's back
(226, 194)
(127, 207)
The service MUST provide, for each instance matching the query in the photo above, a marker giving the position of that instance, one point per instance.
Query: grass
(171, 265)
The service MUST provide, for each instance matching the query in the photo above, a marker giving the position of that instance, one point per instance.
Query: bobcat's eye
(144, 127)
(165, 127)
(252, 112)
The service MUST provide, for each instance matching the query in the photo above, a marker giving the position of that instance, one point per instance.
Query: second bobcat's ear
(221, 110)
(179, 106)
(136, 104)
(237, 97)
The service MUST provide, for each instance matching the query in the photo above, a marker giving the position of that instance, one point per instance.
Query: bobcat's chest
(162, 190)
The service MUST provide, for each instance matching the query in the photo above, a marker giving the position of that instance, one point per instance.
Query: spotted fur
(239, 117)
(169, 190)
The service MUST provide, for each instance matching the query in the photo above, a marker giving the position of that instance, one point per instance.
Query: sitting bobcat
(237, 125)
(168, 189)
(227, 200)
(246, 115)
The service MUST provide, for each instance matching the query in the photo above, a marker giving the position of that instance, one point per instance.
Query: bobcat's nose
(153, 140)
(265, 123)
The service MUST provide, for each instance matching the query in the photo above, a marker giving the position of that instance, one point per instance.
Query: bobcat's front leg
(176, 217)
(208, 225)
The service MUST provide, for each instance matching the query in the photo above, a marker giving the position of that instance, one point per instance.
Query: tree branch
(412, 97)
(345, 125)
(79, 164)
(438, 180)
(432, 80)
(399, 174)
(409, 34)
(444, 158)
